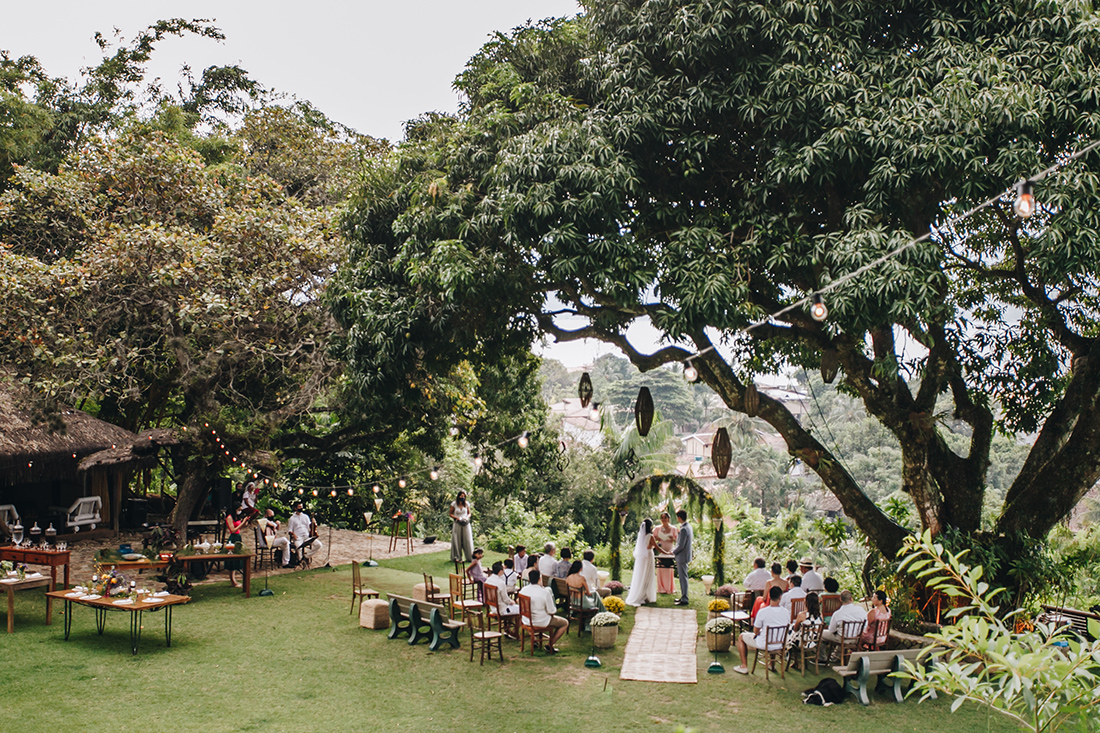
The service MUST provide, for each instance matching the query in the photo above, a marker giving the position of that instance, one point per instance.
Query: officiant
(462, 536)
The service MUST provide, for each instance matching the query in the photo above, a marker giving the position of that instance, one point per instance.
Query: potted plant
(605, 628)
(726, 591)
(615, 587)
(716, 607)
(719, 634)
(614, 604)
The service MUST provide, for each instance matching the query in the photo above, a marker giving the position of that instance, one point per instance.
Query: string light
(691, 374)
(376, 488)
(478, 462)
(818, 310)
(1025, 200)
(434, 473)
(351, 492)
(524, 439)
(402, 483)
(594, 413)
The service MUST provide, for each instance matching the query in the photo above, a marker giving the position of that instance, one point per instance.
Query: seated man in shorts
(771, 615)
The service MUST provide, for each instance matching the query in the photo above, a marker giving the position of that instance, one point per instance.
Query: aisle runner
(661, 647)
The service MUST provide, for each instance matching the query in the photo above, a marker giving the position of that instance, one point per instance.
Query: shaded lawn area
(298, 661)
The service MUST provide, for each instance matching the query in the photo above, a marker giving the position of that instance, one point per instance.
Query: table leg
(168, 626)
(11, 609)
(66, 576)
(135, 630)
(247, 579)
(100, 619)
(49, 610)
(53, 577)
(68, 617)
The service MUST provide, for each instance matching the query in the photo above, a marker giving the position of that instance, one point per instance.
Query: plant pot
(603, 637)
(719, 642)
(714, 614)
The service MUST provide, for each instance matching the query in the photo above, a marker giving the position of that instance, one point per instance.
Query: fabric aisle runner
(661, 647)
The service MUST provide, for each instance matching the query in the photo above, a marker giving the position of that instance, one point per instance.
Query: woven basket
(719, 642)
(603, 637)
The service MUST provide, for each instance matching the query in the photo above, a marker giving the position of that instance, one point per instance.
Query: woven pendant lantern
(584, 390)
(830, 365)
(643, 411)
(752, 400)
(721, 453)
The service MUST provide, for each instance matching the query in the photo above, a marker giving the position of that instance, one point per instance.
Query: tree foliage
(700, 164)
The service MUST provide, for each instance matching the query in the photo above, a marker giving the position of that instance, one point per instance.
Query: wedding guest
(462, 536)
(548, 563)
(301, 530)
(577, 580)
(792, 570)
(506, 604)
(758, 578)
(812, 612)
(795, 591)
(476, 573)
(561, 570)
(235, 518)
(543, 610)
(269, 527)
(520, 560)
(812, 582)
(510, 575)
(592, 574)
(878, 612)
(666, 535)
(771, 615)
(848, 611)
(805, 625)
(777, 580)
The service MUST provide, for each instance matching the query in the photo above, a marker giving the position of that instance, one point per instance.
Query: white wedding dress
(643, 582)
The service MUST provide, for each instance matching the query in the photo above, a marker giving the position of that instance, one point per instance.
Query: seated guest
(576, 579)
(543, 609)
(812, 582)
(848, 611)
(532, 564)
(805, 625)
(812, 613)
(795, 591)
(506, 606)
(548, 563)
(269, 527)
(561, 570)
(510, 575)
(476, 573)
(777, 581)
(592, 574)
(520, 560)
(758, 578)
(769, 616)
(792, 570)
(878, 612)
(300, 528)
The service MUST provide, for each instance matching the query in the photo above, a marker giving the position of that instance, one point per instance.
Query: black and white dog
(828, 692)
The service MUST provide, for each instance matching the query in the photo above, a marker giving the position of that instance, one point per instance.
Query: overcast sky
(368, 64)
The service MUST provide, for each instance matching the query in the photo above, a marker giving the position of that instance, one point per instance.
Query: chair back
(829, 605)
(798, 605)
(851, 630)
(525, 612)
(775, 638)
(880, 632)
(491, 599)
(456, 586)
(576, 599)
(356, 576)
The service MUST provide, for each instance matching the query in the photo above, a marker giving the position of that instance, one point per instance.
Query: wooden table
(53, 558)
(188, 559)
(396, 533)
(40, 582)
(136, 608)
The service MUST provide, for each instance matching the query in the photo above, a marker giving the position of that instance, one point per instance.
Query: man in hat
(812, 582)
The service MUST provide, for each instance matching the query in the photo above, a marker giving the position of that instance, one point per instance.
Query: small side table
(401, 527)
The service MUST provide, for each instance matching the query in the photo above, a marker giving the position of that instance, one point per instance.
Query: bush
(726, 591)
(517, 526)
(614, 604)
(605, 619)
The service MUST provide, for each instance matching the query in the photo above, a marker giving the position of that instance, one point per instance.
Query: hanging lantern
(643, 411)
(752, 400)
(830, 365)
(721, 453)
(584, 390)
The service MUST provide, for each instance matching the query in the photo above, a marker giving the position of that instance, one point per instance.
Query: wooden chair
(561, 594)
(492, 603)
(578, 611)
(264, 551)
(357, 589)
(774, 636)
(460, 602)
(880, 632)
(850, 631)
(433, 594)
(537, 632)
(484, 638)
(810, 642)
(829, 604)
(798, 605)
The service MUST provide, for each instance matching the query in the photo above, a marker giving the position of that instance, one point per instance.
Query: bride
(643, 583)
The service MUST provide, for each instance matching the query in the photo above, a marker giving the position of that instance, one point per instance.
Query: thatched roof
(44, 449)
(141, 453)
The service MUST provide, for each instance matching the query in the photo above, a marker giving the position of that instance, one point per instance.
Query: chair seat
(487, 634)
(366, 592)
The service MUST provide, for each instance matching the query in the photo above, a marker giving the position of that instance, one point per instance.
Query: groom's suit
(682, 552)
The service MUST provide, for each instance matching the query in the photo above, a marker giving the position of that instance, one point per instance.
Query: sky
(368, 64)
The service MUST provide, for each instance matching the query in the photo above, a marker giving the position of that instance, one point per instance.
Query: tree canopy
(701, 164)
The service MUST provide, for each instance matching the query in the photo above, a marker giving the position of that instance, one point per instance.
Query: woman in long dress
(643, 582)
(666, 536)
(462, 536)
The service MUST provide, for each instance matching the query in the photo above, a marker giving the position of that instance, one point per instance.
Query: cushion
(374, 614)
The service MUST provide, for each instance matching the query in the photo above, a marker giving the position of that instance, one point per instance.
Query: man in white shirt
(848, 611)
(299, 528)
(520, 560)
(591, 574)
(812, 582)
(759, 577)
(795, 591)
(269, 526)
(769, 616)
(542, 611)
(505, 605)
(248, 498)
(548, 563)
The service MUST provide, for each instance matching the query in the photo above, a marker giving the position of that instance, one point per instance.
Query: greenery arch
(697, 502)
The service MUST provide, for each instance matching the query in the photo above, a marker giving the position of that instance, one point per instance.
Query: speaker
(223, 494)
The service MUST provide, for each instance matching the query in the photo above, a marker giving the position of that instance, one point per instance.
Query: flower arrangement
(110, 582)
(614, 586)
(719, 625)
(605, 619)
(726, 591)
(718, 605)
(614, 604)
(6, 566)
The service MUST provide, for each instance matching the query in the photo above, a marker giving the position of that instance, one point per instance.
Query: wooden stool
(374, 614)
(396, 533)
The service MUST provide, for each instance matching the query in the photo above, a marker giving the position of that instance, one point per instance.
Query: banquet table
(101, 606)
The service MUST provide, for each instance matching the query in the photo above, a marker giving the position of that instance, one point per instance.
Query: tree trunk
(193, 479)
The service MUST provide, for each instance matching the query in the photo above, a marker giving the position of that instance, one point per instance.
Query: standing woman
(462, 536)
(643, 581)
(666, 536)
(235, 518)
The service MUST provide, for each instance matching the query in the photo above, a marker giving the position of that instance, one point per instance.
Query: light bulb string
(933, 229)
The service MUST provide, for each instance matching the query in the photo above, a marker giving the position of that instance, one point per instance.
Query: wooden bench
(406, 617)
(1078, 620)
(862, 665)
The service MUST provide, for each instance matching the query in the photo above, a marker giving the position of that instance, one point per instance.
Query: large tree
(702, 164)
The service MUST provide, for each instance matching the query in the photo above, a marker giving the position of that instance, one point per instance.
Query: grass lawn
(298, 661)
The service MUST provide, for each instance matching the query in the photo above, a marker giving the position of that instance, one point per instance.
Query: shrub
(614, 586)
(605, 619)
(726, 591)
(614, 604)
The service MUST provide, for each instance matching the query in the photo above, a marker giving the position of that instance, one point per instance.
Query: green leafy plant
(719, 625)
(1044, 677)
(605, 619)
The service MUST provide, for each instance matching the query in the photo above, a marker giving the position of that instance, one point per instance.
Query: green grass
(298, 661)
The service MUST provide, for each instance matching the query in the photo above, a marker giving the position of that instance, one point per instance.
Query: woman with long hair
(666, 535)
(462, 536)
(235, 518)
(643, 581)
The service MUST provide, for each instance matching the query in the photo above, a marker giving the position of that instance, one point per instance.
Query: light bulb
(595, 413)
(376, 488)
(691, 374)
(818, 310)
(333, 494)
(351, 492)
(402, 483)
(434, 474)
(478, 462)
(1025, 201)
(524, 440)
(315, 492)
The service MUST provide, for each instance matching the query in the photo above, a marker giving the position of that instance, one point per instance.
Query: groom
(682, 552)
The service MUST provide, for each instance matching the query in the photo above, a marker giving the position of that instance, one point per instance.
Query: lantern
(830, 365)
(643, 411)
(584, 390)
(751, 400)
(721, 453)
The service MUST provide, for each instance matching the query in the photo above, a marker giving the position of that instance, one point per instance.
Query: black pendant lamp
(643, 411)
(721, 453)
(830, 365)
(584, 390)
